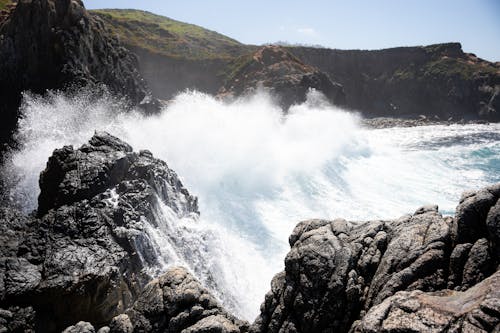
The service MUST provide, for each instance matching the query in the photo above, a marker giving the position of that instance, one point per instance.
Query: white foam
(257, 173)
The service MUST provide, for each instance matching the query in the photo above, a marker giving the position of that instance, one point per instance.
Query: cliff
(54, 44)
(437, 80)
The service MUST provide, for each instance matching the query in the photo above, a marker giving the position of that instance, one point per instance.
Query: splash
(257, 173)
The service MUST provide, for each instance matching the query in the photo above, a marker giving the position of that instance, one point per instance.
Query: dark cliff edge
(56, 44)
(436, 81)
(82, 261)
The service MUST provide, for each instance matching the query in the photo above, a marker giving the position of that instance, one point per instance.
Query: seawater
(257, 173)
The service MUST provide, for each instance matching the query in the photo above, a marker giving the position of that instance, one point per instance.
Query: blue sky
(347, 24)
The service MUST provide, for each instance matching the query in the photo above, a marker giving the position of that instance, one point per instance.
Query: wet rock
(177, 302)
(17, 319)
(475, 310)
(56, 44)
(80, 327)
(338, 272)
(86, 254)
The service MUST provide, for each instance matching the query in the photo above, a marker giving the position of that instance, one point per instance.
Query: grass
(164, 36)
(4, 3)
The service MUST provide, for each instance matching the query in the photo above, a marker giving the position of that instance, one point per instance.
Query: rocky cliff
(86, 254)
(277, 70)
(437, 80)
(420, 273)
(53, 44)
(86, 261)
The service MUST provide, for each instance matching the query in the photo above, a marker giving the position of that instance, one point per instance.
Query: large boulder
(87, 254)
(53, 44)
(277, 70)
(474, 310)
(337, 271)
(177, 302)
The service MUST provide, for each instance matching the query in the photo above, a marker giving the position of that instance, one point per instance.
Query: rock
(86, 255)
(121, 324)
(472, 213)
(17, 319)
(56, 44)
(275, 69)
(338, 271)
(475, 310)
(176, 302)
(80, 327)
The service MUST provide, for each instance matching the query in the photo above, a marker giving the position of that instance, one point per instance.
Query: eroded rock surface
(51, 44)
(177, 302)
(86, 254)
(337, 271)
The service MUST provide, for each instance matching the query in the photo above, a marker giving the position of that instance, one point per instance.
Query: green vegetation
(457, 67)
(164, 36)
(4, 3)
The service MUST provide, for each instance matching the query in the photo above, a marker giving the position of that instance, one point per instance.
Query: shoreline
(389, 122)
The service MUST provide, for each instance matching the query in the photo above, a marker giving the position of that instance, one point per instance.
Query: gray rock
(337, 271)
(56, 44)
(84, 256)
(472, 212)
(17, 319)
(80, 327)
(475, 310)
(177, 302)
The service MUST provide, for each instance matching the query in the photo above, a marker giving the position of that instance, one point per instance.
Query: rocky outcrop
(474, 310)
(86, 256)
(53, 44)
(436, 81)
(275, 69)
(176, 302)
(390, 272)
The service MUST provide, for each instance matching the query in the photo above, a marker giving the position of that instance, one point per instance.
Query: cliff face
(51, 44)
(86, 255)
(276, 69)
(437, 80)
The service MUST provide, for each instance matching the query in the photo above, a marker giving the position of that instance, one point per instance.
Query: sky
(347, 24)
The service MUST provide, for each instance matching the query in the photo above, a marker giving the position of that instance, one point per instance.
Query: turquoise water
(258, 173)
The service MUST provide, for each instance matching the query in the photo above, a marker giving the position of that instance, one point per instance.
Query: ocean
(258, 172)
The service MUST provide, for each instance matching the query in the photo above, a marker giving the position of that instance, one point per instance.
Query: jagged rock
(84, 256)
(337, 271)
(52, 44)
(287, 77)
(80, 327)
(17, 319)
(176, 302)
(474, 310)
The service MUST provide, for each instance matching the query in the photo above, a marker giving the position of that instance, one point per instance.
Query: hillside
(164, 36)
(173, 56)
